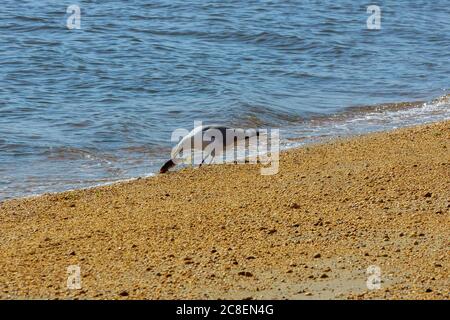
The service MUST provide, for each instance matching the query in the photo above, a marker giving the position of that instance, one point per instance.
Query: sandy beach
(311, 231)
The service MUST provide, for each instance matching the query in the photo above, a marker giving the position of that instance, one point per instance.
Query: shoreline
(350, 122)
(310, 231)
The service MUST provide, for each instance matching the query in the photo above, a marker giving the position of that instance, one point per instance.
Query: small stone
(428, 195)
(245, 273)
(272, 231)
(317, 255)
(318, 223)
(308, 294)
(323, 276)
(294, 205)
(429, 290)
(124, 294)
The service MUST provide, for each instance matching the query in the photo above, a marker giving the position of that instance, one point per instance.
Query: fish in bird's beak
(169, 164)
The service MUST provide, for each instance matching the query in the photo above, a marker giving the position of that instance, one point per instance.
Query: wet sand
(225, 231)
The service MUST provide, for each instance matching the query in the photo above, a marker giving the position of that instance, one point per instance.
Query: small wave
(365, 119)
(266, 116)
(72, 153)
(257, 115)
(34, 19)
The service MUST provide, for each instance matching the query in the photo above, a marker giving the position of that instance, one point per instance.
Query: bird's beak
(169, 164)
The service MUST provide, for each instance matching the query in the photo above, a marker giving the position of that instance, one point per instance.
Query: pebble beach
(334, 212)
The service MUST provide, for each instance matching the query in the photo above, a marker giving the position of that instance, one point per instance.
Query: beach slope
(339, 216)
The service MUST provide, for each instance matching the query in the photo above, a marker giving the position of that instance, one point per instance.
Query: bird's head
(169, 164)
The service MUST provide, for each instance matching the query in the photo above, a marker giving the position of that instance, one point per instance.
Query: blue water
(98, 104)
